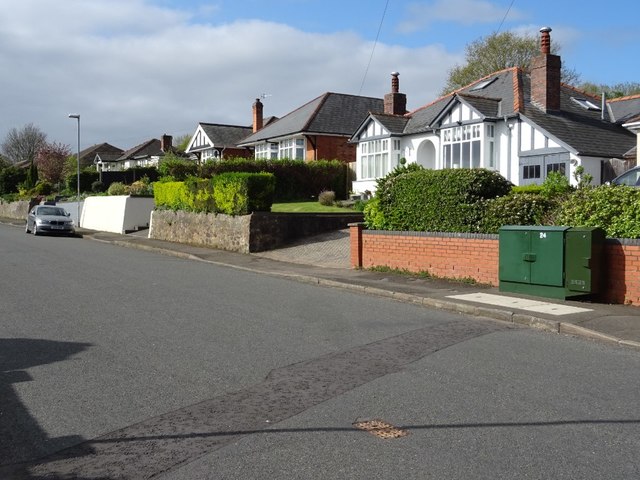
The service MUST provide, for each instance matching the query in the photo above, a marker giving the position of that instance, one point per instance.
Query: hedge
(450, 200)
(171, 195)
(240, 193)
(295, 180)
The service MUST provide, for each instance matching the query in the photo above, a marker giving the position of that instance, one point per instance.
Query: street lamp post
(77, 117)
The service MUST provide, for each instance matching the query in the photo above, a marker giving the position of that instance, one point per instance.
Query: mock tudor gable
(523, 126)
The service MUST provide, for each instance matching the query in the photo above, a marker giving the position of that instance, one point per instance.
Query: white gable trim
(371, 129)
(199, 141)
(457, 112)
(540, 135)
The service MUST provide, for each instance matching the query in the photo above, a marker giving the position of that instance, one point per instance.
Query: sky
(137, 69)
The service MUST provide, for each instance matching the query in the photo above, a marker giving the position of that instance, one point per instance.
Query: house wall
(476, 256)
(330, 148)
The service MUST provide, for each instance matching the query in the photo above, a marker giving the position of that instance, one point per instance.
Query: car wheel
(26, 228)
(34, 230)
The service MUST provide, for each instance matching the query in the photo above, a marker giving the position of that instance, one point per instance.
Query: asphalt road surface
(118, 363)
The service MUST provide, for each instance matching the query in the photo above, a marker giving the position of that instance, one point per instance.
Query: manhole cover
(381, 429)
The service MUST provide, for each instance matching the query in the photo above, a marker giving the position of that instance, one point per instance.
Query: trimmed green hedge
(295, 180)
(231, 193)
(515, 209)
(240, 193)
(451, 200)
(171, 195)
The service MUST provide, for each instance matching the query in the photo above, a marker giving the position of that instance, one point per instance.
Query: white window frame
(292, 148)
(268, 151)
(373, 158)
(462, 146)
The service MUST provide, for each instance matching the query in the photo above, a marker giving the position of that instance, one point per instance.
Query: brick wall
(331, 148)
(476, 256)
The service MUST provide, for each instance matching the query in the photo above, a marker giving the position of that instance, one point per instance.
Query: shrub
(614, 208)
(43, 188)
(295, 180)
(118, 188)
(327, 198)
(359, 205)
(555, 185)
(515, 209)
(177, 168)
(374, 219)
(97, 187)
(141, 188)
(199, 195)
(450, 200)
(87, 178)
(237, 193)
(10, 179)
(171, 195)
(534, 189)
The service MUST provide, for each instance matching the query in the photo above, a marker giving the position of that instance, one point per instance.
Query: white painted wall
(117, 214)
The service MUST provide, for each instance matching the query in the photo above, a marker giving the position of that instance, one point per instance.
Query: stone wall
(247, 233)
(202, 229)
(17, 210)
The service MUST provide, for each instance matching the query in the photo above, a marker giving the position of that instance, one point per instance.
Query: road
(118, 363)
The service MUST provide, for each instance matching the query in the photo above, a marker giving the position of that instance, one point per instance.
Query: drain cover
(381, 429)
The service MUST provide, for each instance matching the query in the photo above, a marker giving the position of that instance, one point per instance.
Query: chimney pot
(395, 82)
(395, 103)
(545, 40)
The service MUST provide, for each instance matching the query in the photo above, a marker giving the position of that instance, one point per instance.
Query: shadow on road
(21, 437)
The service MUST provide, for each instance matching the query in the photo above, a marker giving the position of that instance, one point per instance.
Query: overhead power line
(374, 47)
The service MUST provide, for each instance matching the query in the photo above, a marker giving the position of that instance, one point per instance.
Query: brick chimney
(395, 103)
(166, 143)
(258, 119)
(545, 75)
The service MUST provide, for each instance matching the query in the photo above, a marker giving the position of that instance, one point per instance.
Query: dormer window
(586, 104)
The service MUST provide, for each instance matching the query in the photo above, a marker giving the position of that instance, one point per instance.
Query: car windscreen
(51, 211)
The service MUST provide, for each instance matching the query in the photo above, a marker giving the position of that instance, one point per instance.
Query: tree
(23, 145)
(612, 91)
(497, 52)
(182, 142)
(51, 160)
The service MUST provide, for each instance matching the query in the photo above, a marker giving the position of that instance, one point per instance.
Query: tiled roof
(508, 92)
(328, 114)
(624, 109)
(101, 148)
(226, 136)
(149, 148)
(395, 124)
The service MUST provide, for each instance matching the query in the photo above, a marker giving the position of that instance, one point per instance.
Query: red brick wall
(622, 267)
(331, 148)
(476, 256)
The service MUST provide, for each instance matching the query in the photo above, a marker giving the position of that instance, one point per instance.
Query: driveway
(331, 250)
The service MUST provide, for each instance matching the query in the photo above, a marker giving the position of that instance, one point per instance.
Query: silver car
(49, 219)
(630, 177)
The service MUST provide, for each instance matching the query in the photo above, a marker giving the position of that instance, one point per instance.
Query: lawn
(307, 207)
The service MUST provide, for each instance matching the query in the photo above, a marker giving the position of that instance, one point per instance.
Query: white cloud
(465, 12)
(135, 71)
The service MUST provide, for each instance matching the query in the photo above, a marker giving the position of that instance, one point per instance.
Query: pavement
(324, 260)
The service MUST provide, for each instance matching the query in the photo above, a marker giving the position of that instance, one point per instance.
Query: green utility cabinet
(557, 262)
